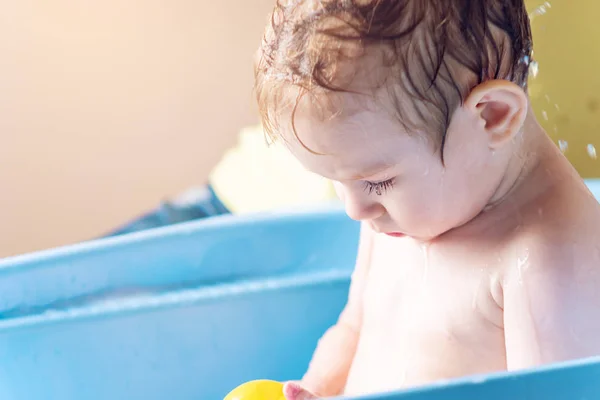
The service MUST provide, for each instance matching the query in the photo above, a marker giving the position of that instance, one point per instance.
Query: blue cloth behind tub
(190, 311)
(199, 204)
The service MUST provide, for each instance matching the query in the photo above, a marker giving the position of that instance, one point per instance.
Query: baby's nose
(360, 209)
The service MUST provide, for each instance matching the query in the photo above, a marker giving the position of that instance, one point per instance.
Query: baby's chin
(397, 235)
(419, 235)
(421, 231)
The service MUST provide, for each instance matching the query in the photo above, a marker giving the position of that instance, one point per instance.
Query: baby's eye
(379, 187)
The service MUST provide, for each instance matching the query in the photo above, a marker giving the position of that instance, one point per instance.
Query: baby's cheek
(420, 211)
(413, 203)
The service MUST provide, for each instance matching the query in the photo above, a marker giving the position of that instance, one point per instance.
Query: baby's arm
(551, 309)
(328, 370)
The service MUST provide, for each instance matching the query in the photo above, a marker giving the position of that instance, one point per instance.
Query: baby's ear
(501, 107)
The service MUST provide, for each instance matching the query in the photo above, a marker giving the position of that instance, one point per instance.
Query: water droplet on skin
(426, 171)
(410, 353)
(475, 295)
(522, 264)
(518, 228)
(425, 249)
(563, 145)
(592, 151)
(545, 115)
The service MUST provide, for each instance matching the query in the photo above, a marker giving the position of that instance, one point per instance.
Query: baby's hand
(293, 391)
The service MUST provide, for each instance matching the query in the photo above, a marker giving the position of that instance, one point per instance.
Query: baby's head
(411, 107)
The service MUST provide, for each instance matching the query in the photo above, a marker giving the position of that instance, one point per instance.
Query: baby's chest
(424, 321)
(412, 291)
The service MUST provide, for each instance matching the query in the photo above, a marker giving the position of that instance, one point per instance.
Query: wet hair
(429, 54)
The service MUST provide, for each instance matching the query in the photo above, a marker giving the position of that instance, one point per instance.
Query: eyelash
(380, 187)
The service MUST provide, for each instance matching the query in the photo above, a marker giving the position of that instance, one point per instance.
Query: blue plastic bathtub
(191, 311)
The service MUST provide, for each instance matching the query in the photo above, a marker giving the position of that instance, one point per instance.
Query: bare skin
(494, 261)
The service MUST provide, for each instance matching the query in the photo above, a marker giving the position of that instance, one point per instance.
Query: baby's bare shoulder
(560, 245)
(551, 288)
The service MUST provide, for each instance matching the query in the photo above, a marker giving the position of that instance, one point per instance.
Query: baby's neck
(536, 171)
(534, 165)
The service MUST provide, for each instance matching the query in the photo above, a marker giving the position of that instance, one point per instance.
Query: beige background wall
(108, 106)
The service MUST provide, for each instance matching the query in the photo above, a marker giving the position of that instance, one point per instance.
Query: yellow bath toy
(262, 389)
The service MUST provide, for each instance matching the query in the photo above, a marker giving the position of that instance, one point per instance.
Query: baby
(480, 244)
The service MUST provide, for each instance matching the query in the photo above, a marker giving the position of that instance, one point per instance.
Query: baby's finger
(293, 391)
